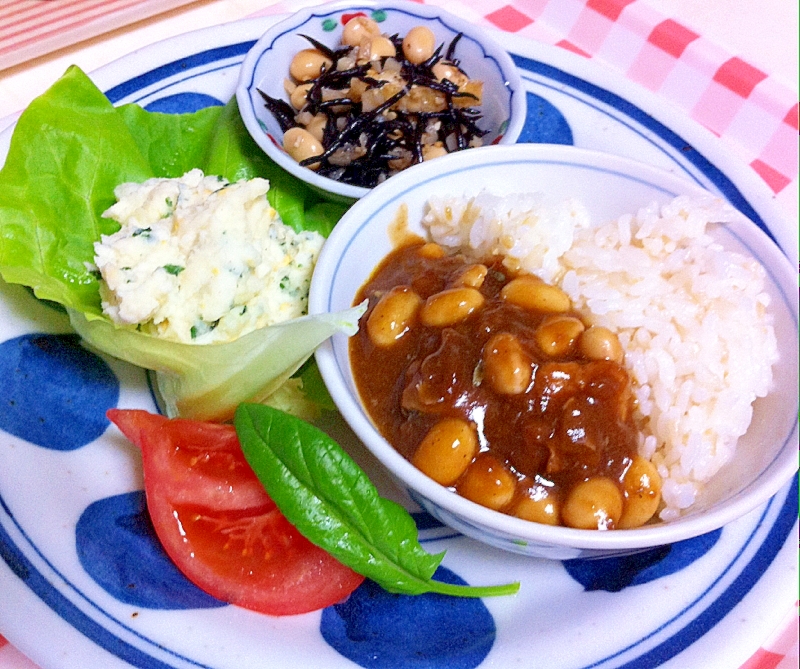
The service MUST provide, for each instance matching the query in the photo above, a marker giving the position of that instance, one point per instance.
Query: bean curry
(490, 383)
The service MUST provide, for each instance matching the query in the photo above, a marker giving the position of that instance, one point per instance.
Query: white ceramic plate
(708, 602)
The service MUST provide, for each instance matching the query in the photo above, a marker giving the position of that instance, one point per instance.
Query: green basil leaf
(332, 502)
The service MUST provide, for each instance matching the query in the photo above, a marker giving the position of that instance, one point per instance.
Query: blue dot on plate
(424, 521)
(544, 124)
(381, 630)
(183, 103)
(119, 549)
(53, 392)
(616, 573)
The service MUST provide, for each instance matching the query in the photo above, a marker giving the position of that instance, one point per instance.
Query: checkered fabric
(724, 93)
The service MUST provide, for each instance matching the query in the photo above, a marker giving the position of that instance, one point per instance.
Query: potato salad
(200, 260)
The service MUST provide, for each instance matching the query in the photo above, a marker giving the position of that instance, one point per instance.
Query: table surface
(764, 35)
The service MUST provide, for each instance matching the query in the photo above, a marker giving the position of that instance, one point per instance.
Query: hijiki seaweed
(362, 144)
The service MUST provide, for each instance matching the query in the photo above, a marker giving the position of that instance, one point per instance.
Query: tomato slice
(219, 526)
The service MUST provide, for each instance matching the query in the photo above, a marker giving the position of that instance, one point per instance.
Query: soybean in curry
(491, 384)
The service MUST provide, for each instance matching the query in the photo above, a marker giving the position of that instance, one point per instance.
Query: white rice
(691, 316)
(527, 227)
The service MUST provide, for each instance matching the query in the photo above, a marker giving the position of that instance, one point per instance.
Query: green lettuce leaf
(172, 144)
(207, 382)
(234, 155)
(314, 387)
(323, 216)
(69, 151)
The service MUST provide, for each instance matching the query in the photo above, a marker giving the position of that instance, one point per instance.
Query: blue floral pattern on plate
(117, 545)
(54, 393)
(378, 629)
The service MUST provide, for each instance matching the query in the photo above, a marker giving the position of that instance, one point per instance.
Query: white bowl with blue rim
(610, 186)
(266, 66)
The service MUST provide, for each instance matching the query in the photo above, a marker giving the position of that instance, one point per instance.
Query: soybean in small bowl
(461, 90)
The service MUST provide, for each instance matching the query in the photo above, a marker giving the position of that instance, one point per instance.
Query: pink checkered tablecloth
(754, 113)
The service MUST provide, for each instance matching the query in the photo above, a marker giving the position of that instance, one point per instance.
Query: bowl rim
(781, 469)
(245, 88)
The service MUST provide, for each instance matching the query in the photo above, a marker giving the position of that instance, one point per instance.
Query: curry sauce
(492, 385)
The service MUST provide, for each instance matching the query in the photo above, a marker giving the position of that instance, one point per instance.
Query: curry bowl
(609, 187)
(267, 66)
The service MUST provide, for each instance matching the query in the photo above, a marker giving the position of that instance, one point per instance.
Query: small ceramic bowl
(266, 66)
(766, 457)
